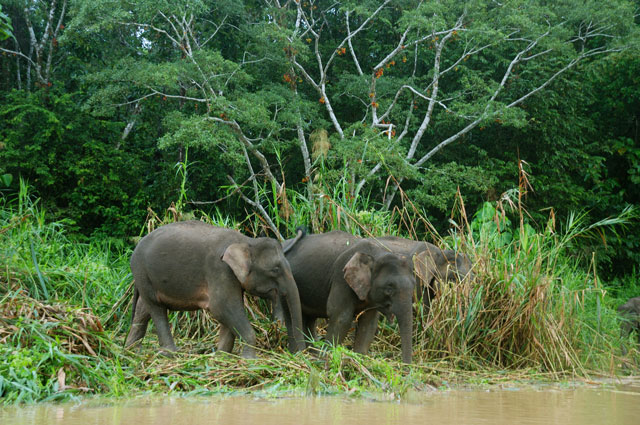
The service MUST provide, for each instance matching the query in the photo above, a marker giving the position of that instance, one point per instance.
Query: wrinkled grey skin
(192, 265)
(341, 277)
(431, 264)
(630, 313)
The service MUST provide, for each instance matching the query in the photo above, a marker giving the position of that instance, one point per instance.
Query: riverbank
(532, 315)
(56, 352)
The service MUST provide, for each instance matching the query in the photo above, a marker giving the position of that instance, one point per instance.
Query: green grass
(535, 312)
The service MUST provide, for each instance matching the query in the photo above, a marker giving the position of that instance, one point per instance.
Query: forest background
(109, 108)
(509, 130)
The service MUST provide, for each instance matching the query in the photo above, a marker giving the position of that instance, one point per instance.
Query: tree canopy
(102, 98)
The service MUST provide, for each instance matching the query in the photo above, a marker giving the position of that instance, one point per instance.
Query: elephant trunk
(277, 310)
(290, 293)
(405, 323)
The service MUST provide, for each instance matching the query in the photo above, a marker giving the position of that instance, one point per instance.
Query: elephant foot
(135, 345)
(169, 352)
(249, 353)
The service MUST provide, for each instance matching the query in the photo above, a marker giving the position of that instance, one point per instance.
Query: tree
(36, 43)
(389, 85)
(65, 156)
(460, 64)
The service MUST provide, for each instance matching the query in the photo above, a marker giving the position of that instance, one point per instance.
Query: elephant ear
(464, 266)
(357, 273)
(238, 257)
(424, 267)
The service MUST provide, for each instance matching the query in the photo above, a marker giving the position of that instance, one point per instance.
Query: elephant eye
(275, 270)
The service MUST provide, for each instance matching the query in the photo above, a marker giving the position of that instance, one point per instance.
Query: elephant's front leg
(340, 311)
(365, 331)
(226, 338)
(234, 323)
(340, 321)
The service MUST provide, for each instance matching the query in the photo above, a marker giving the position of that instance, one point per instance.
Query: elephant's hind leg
(160, 321)
(139, 324)
(226, 338)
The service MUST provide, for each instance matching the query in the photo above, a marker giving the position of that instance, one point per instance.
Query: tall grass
(536, 302)
(329, 206)
(39, 256)
(534, 306)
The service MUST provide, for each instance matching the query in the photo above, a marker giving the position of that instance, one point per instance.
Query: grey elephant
(341, 277)
(192, 265)
(431, 263)
(630, 313)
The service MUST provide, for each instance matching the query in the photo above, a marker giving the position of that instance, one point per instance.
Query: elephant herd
(192, 265)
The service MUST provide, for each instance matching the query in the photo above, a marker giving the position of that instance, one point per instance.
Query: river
(546, 406)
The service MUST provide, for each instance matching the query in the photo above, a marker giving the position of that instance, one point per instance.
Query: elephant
(192, 265)
(630, 313)
(431, 263)
(340, 276)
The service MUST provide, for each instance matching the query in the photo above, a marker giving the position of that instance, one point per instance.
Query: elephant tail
(136, 295)
(301, 232)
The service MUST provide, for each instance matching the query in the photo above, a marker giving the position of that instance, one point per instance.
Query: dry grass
(76, 330)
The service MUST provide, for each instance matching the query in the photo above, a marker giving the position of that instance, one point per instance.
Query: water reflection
(566, 407)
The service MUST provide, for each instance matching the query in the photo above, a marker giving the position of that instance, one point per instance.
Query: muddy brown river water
(584, 406)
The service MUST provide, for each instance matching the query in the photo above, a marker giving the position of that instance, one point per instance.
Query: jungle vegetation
(509, 130)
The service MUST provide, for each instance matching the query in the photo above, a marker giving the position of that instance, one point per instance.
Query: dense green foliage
(101, 99)
(506, 127)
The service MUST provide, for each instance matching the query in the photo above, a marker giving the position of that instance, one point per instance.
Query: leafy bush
(72, 160)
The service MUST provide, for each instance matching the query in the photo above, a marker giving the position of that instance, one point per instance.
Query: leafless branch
(154, 92)
(17, 53)
(237, 129)
(218, 27)
(351, 50)
(258, 206)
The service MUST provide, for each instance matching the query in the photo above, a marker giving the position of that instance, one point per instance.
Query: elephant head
(262, 270)
(430, 261)
(384, 281)
(630, 319)
(433, 265)
(443, 265)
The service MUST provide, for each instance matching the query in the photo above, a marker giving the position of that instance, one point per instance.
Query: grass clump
(52, 351)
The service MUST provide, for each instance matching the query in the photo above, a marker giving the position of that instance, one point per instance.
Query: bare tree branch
(256, 205)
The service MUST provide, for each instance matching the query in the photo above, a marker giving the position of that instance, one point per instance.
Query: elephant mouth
(386, 312)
